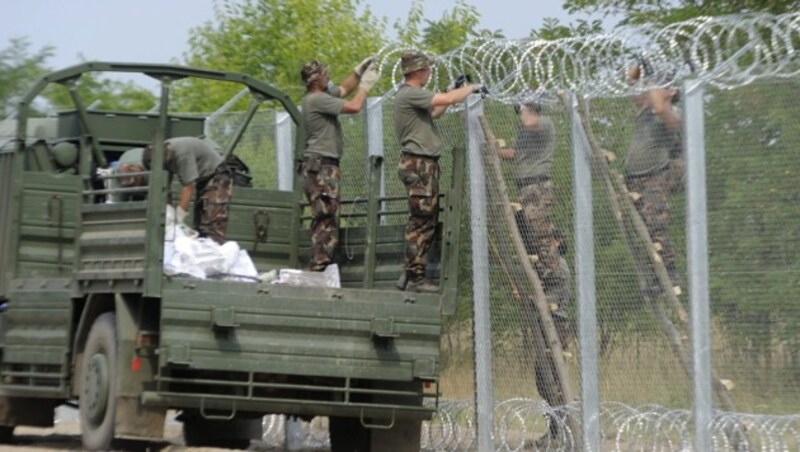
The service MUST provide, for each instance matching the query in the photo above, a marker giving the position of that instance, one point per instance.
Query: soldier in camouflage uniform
(200, 168)
(655, 142)
(418, 169)
(532, 154)
(321, 106)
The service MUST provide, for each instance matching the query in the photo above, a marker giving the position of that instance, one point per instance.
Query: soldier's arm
(441, 101)
(186, 196)
(661, 105)
(348, 85)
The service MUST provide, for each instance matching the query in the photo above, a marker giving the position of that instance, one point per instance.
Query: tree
(456, 27)
(272, 39)
(670, 11)
(104, 94)
(19, 69)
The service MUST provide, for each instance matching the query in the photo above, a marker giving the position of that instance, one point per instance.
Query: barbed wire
(525, 424)
(725, 51)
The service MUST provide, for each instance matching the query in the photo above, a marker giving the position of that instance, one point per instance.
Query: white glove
(362, 66)
(369, 78)
(181, 214)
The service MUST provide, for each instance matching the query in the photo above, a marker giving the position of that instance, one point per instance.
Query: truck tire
(98, 399)
(347, 435)
(6, 434)
(234, 434)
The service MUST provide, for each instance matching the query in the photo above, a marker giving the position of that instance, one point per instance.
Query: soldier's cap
(312, 71)
(414, 61)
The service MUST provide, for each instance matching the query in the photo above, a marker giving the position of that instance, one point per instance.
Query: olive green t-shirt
(323, 131)
(650, 146)
(534, 150)
(192, 159)
(413, 123)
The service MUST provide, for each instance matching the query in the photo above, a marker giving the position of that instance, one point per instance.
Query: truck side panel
(6, 168)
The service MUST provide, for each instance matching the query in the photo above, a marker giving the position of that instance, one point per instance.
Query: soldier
(533, 154)
(321, 105)
(656, 140)
(200, 168)
(130, 162)
(421, 145)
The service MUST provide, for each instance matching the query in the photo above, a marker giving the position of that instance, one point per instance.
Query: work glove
(369, 78)
(459, 82)
(480, 88)
(363, 65)
(180, 215)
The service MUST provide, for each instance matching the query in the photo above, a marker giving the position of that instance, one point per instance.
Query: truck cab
(89, 316)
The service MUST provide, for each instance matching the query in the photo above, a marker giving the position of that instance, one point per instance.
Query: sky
(157, 31)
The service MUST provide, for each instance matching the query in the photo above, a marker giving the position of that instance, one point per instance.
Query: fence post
(374, 120)
(284, 151)
(284, 158)
(482, 334)
(585, 280)
(697, 249)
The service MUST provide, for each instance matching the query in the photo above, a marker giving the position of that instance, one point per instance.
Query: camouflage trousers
(653, 206)
(543, 239)
(212, 204)
(322, 191)
(420, 176)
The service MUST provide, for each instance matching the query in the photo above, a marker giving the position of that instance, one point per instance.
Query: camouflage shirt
(320, 115)
(192, 159)
(413, 123)
(534, 149)
(650, 146)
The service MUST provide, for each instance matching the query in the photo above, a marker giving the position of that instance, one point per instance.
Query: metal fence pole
(374, 119)
(484, 398)
(585, 281)
(284, 151)
(697, 248)
(284, 158)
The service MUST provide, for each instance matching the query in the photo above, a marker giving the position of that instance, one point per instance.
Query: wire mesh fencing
(583, 87)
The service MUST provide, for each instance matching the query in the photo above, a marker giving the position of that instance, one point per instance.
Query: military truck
(89, 317)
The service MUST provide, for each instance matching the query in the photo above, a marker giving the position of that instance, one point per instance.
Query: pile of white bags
(187, 254)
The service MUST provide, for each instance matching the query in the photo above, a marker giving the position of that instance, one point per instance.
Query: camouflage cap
(312, 71)
(414, 61)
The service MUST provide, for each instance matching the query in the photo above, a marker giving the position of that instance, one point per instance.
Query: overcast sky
(156, 31)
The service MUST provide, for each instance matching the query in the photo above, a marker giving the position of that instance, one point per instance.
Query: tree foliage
(103, 93)
(670, 11)
(19, 69)
(454, 28)
(272, 39)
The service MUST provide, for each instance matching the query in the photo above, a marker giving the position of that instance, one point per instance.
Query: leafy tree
(272, 39)
(103, 93)
(552, 29)
(670, 11)
(455, 27)
(19, 69)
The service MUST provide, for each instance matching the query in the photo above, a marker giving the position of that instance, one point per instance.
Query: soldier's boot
(418, 283)
(402, 281)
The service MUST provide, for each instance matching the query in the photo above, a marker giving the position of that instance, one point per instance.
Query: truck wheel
(98, 399)
(404, 436)
(235, 433)
(6, 434)
(348, 435)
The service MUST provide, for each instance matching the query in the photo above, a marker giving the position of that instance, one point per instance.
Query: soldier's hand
(363, 65)
(459, 82)
(480, 88)
(369, 78)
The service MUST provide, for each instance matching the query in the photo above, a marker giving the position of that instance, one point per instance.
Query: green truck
(89, 317)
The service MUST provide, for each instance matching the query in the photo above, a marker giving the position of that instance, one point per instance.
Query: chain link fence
(745, 73)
